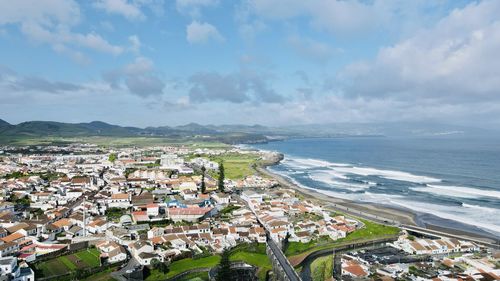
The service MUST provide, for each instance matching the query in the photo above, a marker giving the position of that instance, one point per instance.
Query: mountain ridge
(254, 133)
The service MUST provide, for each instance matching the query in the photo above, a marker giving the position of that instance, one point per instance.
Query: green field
(183, 265)
(196, 276)
(110, 141)
(237, 166)
(102, 276)
(84, 259)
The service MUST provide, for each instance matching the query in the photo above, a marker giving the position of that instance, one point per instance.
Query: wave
(458, 191)
(387, 174)
(469, 214)
(343, 169)
(329, 178)
(312, 163)
(335, 175)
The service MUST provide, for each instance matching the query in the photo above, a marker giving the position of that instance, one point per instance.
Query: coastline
(372, 211)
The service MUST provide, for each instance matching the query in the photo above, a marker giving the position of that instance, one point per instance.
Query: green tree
(224, 270)
(221, 177)
(112, 157)
(160, 266)
(203, 185)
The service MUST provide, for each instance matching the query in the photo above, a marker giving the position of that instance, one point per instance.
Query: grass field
(110, 141)
(102, 276)
(184, 265)
(84, 259)
(237, 166)
(197, 276)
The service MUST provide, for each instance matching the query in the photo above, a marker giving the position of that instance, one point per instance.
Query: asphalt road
(289, 270)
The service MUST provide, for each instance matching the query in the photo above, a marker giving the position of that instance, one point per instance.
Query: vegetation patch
(236, 166)
(88, 258)
(322, 268)
(184, 265)
(253, 254)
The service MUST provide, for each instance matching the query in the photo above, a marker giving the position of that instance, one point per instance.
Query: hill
(233, 134)
(98, 128)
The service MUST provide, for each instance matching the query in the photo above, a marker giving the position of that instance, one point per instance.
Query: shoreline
(372, 211)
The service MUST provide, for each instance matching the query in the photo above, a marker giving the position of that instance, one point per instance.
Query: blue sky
(272, 62)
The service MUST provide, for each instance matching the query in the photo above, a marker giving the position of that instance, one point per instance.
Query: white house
(152, 209)
(10, 269)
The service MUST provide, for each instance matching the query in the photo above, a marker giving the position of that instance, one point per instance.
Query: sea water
(451, 182)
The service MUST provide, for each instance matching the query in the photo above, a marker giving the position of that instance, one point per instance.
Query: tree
(112, 157)
(224, 269)
(221, 177)
(160, 266)
(203, 185)
(163, 268)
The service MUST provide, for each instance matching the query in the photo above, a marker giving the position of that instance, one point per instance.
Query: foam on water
(387, 174)
(458, 191)
(343, 169)
(329, 178)
(312, 163)
(336, 176)
(468, 214)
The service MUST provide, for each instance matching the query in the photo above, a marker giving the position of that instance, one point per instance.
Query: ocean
(448, 181)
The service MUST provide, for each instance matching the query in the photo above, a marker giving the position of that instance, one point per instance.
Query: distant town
(192, 211)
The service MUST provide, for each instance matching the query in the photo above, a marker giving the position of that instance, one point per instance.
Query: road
(283, 261)
(432, 232)
(280, 256)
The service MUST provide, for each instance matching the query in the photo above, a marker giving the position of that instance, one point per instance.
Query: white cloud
(351, 16)
(138, 77)
(51, 22)
(128, 9)
(135, 43)
(202, 32)
(43, 12)
(140, 65)
(456, 61)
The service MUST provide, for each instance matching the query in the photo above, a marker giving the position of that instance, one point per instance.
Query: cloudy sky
(271, 62)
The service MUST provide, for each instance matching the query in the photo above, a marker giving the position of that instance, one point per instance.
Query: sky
(270, 62)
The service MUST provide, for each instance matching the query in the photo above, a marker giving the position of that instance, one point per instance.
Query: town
(179, 212)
